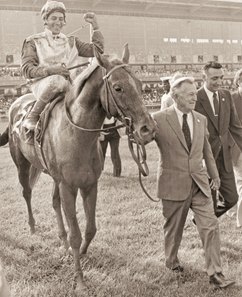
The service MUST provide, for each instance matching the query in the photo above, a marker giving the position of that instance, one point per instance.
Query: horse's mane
(81, 79)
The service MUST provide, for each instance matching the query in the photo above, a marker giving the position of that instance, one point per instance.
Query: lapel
(222, 109)
(207, 107)
(196, 129)
(175, 125)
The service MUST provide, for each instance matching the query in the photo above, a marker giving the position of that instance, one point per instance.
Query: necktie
(186, 131)
(215, 104)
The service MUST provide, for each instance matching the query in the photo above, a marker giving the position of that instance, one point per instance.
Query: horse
(71, 149)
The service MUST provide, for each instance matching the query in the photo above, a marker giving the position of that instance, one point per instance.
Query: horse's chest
(74, 163)
(79, 173)
(81, 177)
(87, 177)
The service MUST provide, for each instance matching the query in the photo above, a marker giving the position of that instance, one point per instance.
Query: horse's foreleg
(89, 204)
(68, 199)
(56, 203)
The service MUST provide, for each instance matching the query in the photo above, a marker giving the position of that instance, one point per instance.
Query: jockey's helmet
(50, 7)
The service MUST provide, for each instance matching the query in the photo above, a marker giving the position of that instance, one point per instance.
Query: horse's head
(121, 96)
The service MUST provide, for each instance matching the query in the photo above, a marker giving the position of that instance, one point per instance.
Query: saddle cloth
(36, 135)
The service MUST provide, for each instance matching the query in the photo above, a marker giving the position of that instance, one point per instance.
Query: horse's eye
(118, 88)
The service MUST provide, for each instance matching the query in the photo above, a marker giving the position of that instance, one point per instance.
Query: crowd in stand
(151, 93)
(10, 73)
(156, 71)
(143, 71)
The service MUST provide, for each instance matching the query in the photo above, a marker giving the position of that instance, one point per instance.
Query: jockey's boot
(33, 117)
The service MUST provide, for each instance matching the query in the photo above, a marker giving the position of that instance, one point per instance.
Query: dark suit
(237, 161)
(183, 184)
(112, 138)
(223, 130)
(237, 99)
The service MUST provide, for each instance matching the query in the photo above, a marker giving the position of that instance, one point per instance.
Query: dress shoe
(178, 269)
(219, 281)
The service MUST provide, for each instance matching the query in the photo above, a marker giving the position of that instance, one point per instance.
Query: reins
(140, 155)
(108, 91)
(29, 83)
(90, 130)
(140, 160)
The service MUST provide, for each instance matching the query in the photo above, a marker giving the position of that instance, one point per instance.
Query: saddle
(35, 137)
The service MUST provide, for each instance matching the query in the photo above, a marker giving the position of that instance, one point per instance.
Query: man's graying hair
(177, 85)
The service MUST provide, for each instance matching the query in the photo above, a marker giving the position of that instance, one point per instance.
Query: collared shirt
(210, 96)
(189, 120)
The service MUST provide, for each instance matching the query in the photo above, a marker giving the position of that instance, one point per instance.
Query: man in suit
(112, 138)
(166, 89)
(166, 99)
(182, 139)
(223, 122)
(236, 153)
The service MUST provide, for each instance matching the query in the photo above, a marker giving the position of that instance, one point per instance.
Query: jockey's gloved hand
(59, 70)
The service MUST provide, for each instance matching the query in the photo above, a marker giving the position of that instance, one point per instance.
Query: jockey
(46, 56)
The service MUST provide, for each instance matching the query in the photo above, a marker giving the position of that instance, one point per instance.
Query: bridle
(140, 155)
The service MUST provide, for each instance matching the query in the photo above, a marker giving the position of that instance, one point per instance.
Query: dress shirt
(189, 120)
(210, 97)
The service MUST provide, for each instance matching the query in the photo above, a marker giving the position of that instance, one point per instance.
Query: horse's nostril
(144, 130)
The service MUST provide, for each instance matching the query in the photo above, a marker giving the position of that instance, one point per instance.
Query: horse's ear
(125, 57)
(102, 60)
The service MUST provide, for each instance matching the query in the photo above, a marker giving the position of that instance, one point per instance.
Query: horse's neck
(86, 110)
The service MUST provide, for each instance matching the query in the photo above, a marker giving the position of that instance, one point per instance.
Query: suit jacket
(226, 130)
(237, 99)
(178, 167)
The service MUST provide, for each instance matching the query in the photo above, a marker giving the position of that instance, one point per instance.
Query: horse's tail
(4, 137)
(34, 176)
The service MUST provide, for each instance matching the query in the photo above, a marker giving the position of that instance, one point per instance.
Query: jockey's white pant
(45, 89)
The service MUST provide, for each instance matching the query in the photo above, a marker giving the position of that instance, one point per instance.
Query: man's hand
(90, 17)
(215, 184)
(59, 70)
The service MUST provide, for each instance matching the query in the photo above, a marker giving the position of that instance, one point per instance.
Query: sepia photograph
(120, 148)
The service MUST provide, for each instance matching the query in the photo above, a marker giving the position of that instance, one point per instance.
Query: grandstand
(158, 31)
(163, 36)
(229, 10)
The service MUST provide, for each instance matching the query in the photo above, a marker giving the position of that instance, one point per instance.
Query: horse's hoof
(81, 290)
(84, 248)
